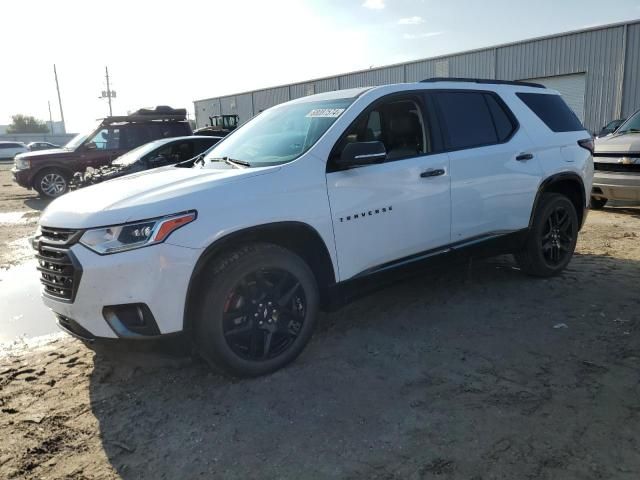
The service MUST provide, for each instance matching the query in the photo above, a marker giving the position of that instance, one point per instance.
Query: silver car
(616, 161)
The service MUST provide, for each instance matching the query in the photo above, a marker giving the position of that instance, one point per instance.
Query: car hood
(50, 153)
(142, 195)
(625, 143)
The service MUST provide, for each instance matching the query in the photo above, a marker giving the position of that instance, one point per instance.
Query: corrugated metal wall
(378, 76)
(598, 53)
(228, 105)
(244, 104)
(631, 92)
(263, 99)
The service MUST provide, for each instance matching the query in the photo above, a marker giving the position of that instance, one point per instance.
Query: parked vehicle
(159, 153)
(35, 146)
(221, 125)
(617, 165)
(11, 149)
(49, 171)
(610, 127)
(310, 201)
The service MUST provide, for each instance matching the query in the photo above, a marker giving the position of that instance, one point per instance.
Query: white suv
(297, 208)
(11, 149)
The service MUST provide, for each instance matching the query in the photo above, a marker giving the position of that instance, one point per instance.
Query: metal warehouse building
(597, 70)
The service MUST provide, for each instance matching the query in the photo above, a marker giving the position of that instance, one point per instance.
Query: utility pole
(108, 91)
(55, 73)
(50, 118)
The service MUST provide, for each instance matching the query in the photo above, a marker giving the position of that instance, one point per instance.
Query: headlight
(22, 163)
(119, 238)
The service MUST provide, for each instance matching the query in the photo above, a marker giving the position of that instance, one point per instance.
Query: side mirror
(362, 153)
(90, 146)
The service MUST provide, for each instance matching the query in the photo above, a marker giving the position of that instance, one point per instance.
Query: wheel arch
(569, 184)
(301, 238)
(51, 166)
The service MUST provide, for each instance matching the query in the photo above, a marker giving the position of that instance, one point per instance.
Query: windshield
(280, 134)
(136, 154)
(76, 141)
(631, 125)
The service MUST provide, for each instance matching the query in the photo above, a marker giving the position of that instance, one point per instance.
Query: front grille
(60, 271)
(617, 167)
(58, 236)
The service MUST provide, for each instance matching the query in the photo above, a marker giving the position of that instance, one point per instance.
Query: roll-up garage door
(571, 87)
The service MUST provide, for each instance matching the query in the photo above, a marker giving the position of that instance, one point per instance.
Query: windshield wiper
(232, 162)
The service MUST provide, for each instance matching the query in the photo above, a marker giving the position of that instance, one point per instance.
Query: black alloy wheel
(558, 236)
(264, 314)
(552, 237)
(257, 309)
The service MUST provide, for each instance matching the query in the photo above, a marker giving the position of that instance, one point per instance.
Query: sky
(172, 53)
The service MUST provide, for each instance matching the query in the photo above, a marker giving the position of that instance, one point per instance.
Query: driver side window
(105, 139)
(398, 124)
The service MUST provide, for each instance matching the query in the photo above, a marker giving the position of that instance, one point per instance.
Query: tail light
(587, 143)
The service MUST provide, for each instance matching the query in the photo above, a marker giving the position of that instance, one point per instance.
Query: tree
(26, 124)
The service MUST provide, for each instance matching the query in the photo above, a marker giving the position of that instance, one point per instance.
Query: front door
(103, 147)
(388, 211)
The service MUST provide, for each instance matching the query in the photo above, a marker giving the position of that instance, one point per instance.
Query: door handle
(523, 157)
(432, 173)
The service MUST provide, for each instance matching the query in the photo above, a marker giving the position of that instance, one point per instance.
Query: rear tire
(258, 310)
(598, 203)
(51, 183)
(552, 237)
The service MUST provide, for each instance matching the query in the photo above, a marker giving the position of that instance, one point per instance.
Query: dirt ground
(476, 373)
(19, 212)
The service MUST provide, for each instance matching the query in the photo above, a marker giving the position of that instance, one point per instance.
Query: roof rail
(482, 80)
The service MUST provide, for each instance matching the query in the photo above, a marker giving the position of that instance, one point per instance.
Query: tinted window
(503, 122)
(175, 129)
(10, 145)
(135, 135)
(553, 111)
(467, 119)
(202, 144)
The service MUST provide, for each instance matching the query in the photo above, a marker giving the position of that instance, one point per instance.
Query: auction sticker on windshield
(325, 112)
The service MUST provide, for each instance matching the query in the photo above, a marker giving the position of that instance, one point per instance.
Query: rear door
(494, 175)
(392, 210)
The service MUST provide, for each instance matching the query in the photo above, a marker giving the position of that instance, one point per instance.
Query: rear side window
(553, 111)
(467, 119)
(175, 129)
(503, 122)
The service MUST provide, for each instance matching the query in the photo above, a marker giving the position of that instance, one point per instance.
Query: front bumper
(156, 276)
(616, 185)
(21, 177)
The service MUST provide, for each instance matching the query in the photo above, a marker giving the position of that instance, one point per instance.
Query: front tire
(552, 237)
(258, 310)
(51, 183)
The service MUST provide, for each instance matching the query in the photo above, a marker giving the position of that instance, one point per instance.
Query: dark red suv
(49, 171)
